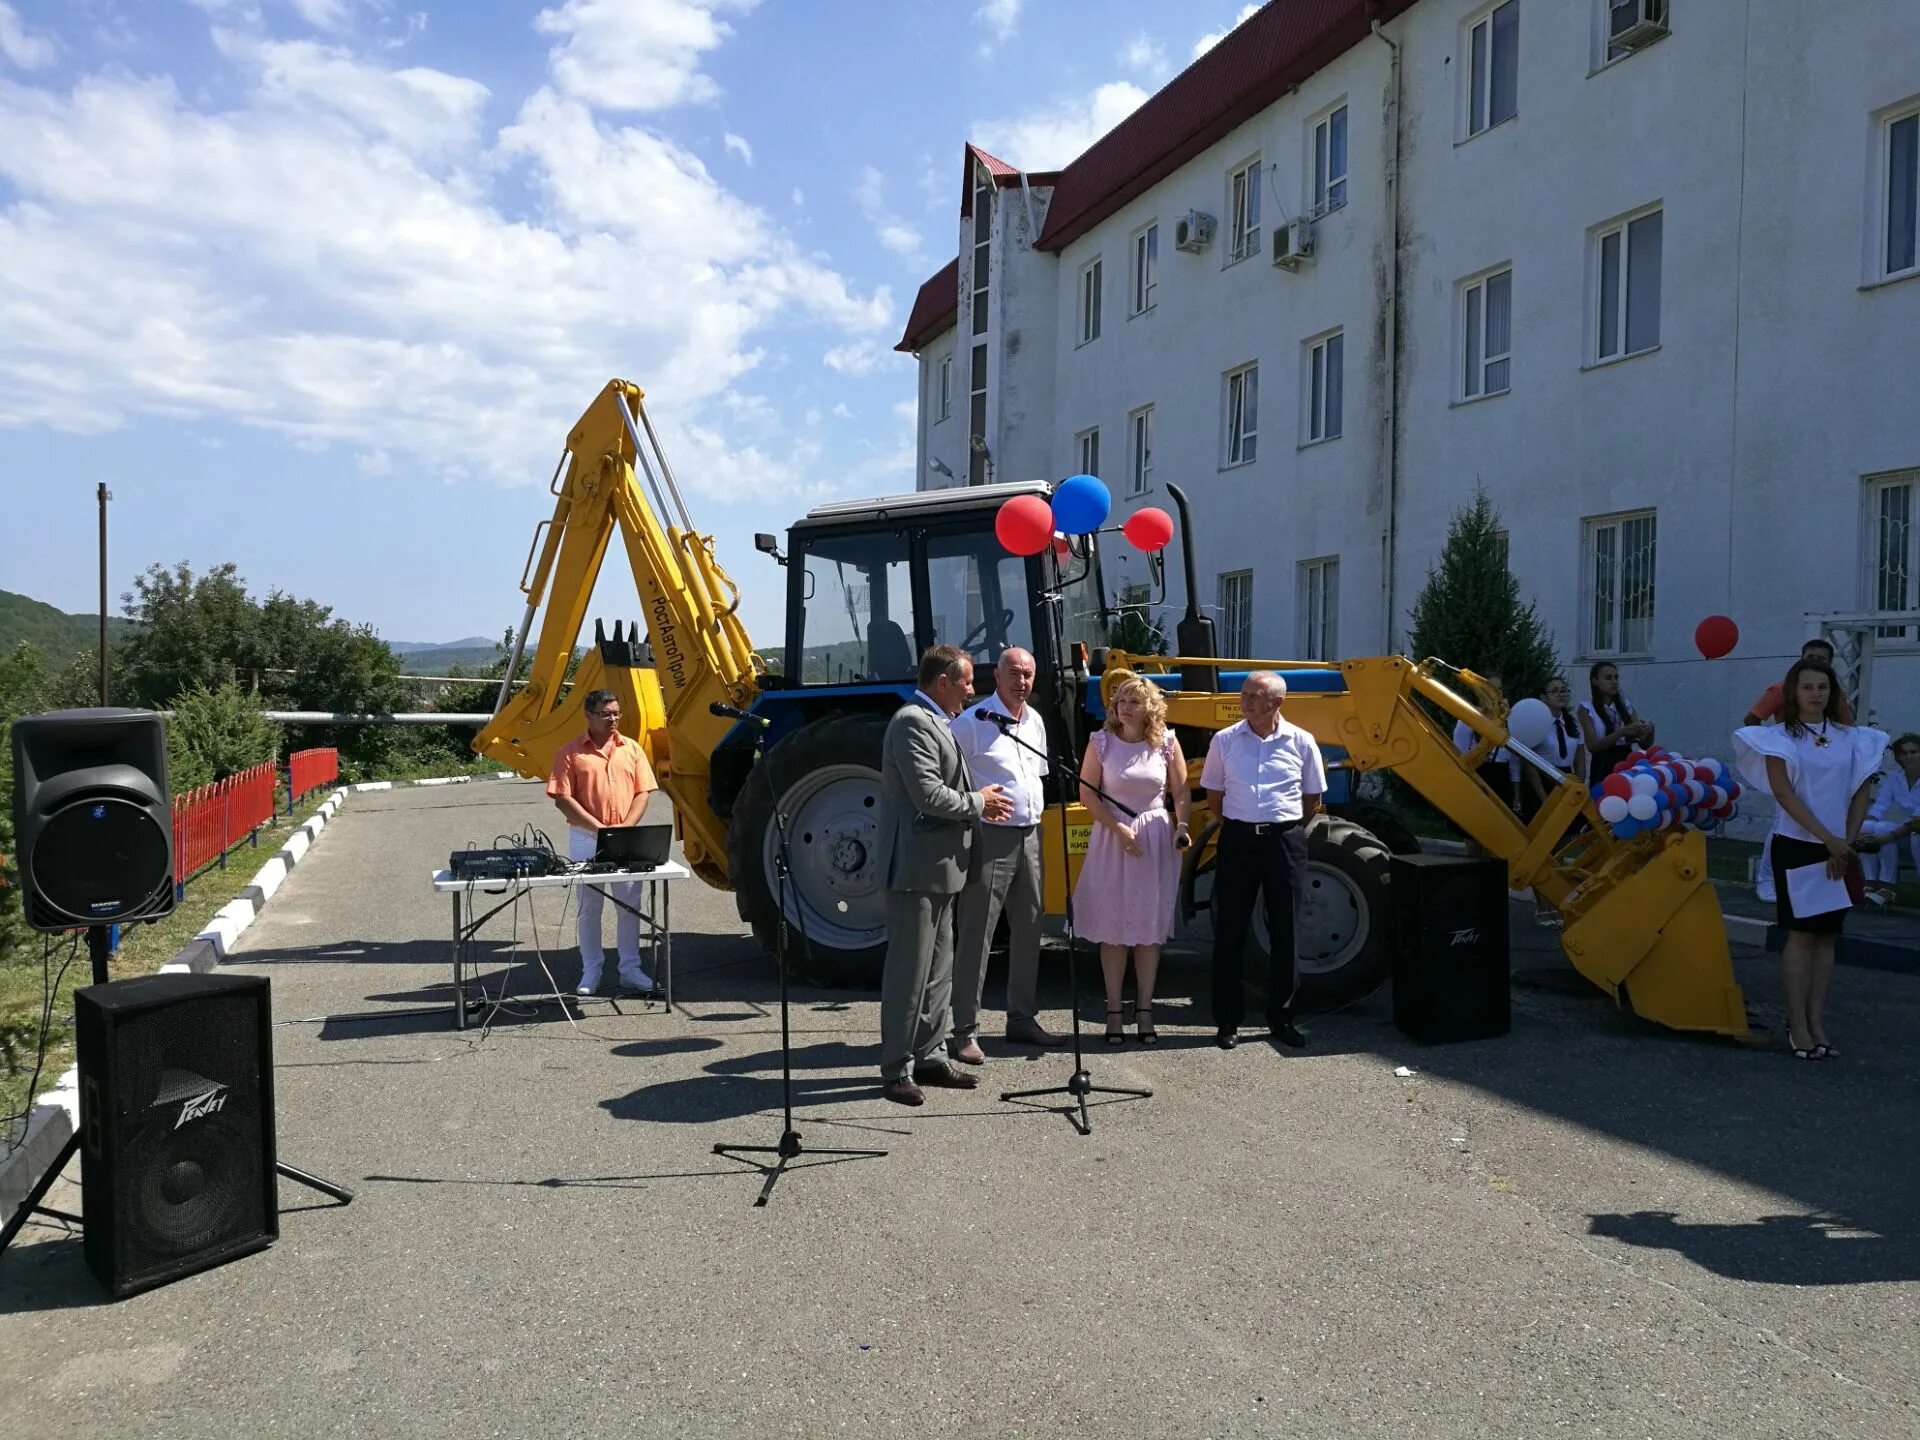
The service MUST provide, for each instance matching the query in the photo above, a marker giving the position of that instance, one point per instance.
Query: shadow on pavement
(1774, 1249)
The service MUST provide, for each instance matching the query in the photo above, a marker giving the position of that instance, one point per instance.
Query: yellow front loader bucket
(1653, 938)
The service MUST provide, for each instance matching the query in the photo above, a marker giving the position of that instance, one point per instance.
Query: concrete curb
(55, 1117)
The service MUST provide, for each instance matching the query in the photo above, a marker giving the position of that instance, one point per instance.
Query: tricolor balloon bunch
(1658, 790)
(1027, 524)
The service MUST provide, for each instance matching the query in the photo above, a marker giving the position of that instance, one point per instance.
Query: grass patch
(143, 950)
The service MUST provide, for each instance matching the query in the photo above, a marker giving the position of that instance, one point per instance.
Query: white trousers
(1763, 876)
(592, 901)
(1882, 867)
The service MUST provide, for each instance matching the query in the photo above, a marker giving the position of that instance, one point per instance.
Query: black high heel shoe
(1116, 1034)
(1148, 1036)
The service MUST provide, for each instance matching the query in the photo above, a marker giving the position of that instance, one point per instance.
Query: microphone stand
(1080, 1084)
(789, 1149)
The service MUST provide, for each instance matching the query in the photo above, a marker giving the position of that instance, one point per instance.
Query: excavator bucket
(1653, 939)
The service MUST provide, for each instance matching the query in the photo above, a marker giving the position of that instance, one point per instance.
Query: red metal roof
(1287, 41)
(934, 308)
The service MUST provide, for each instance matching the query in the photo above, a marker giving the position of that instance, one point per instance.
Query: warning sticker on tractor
(1226, 709)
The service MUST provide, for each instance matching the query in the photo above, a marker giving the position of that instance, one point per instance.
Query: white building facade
(1659, 299)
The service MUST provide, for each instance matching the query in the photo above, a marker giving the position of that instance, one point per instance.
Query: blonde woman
(1124, 900)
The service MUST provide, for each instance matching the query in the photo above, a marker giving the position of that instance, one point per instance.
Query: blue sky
(319, 286)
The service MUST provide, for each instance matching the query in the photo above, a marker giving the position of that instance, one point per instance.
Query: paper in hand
(1811, 891)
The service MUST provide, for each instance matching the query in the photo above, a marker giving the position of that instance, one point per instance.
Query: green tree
(23, 682)
(1470, 613)
(212, 734)
(193, 632)
(1134, 629)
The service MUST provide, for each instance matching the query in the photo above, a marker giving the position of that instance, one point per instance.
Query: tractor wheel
(828, 773)
(1343, 930)
(1385, 825)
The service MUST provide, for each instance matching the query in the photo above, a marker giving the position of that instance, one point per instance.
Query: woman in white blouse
(1609, 728)
(1819, 772)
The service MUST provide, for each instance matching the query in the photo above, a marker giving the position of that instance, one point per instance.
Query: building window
(1900, 195)
(1330, 162)
(1504, 547)
(1243, 205)
(1641, 21)
(1325, 374)
(1140, 451)
(1319, 608)
(1893, 542)
(1627, 287)
(1487, 325)
(1090, 303)
(1243, 397)
(1620, 558)
(943, 398)
(1236, 614)
(977, 420)
(982, 248)
(1493, 68)
(1146, 267)
(1089, 443)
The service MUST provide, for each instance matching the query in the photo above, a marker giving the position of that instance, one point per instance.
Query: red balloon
(1024, 524)
(1062, 549)
(1716, 636)
(1617, 784)
(1148, 529)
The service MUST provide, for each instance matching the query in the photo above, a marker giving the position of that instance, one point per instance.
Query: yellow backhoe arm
(1642, 921)
(700, 648)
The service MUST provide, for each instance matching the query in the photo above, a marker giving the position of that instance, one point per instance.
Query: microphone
(1003, 721)
(734, 712)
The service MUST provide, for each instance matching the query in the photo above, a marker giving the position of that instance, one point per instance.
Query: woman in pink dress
(1128, 884)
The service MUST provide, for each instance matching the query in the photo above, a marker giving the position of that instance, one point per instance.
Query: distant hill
(60, 635)
(469, 655)
(409, 647)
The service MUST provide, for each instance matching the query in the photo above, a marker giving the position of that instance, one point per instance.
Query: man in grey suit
(928, 811)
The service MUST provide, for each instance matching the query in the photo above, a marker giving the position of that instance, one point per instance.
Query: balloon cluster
(1658, 790)
(1027, 524)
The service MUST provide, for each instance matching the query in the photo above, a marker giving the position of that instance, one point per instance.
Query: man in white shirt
(1006, 874)
(1264, 778)
(1893, 822)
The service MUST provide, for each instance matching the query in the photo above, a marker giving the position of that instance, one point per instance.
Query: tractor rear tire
(828, 774)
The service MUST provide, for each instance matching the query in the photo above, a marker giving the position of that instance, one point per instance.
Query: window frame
(1139, 450)
(943, 389)
(1470, 343)
(1320, 200)
(1229, 620)
(1315, 392)
(1603, 46)
(1598, 266)
(1087, 451)
(1873, 592)
(1591, 527)
(1091, 300)
(1240, 442)
(1144, 263)
(1319, 580)
(1880, 269)
(1477, 119)
(1243, 225)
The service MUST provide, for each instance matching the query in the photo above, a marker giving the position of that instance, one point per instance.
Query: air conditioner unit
(1633, 23)
(1292, 243)
(1193, 232)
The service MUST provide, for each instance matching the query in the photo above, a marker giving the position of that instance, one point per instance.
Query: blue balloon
(1080, 504)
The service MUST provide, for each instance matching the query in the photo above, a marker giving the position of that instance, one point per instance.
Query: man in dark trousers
(1264, 778)
(928, 810)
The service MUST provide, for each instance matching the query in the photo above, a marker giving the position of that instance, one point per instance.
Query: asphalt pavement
(1589, 1227)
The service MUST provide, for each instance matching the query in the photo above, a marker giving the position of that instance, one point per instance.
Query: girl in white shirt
(1818, 771)
(1894, 820)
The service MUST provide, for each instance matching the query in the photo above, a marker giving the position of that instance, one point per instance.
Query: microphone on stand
(1003, 721)
(734, 712)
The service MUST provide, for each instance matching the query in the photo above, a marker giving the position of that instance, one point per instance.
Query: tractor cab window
(977, 596)
(858, 619)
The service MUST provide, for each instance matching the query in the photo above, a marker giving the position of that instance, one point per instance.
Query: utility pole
(105, 495)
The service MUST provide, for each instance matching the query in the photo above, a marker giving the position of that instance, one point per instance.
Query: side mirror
(768, 545)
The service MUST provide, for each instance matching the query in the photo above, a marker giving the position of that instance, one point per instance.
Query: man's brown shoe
(967, 1051)
(1031, 1032)
(942, 1075)
(904, 1092)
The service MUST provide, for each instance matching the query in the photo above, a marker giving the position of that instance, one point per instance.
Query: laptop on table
(634, 847)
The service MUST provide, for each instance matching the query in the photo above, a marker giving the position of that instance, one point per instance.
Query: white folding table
(655, 912)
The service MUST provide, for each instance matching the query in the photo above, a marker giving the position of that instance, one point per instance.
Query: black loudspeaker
(176, 1125)
(1450, 948)
(92, 817)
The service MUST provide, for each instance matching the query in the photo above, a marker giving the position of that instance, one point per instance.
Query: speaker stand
(98, 948)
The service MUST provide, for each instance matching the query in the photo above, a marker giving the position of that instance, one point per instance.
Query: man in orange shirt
(603, 778)
(1767, 707)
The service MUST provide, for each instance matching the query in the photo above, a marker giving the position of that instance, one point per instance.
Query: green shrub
(216, 733)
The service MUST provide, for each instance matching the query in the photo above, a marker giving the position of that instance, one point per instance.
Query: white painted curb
(55, 1117)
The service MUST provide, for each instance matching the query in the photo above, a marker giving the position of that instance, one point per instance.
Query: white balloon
(1642, 806)
(1644, 784)
(1530, 722)
(1613, 809)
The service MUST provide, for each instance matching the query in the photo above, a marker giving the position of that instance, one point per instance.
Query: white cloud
(842, 411)
(332, 15)
(294, 261)
(737, 145)
(893, 232)
(636, 54)
(856, 357)
(1207, 42)
(1001, 18)
(799, 198)
(1048, 138)
(20, 47)
(1145, 57)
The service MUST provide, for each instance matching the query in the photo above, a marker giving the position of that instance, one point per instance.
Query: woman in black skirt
(1820, 774)
(1609, 727)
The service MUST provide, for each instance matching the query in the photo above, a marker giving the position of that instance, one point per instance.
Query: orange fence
(309, 770)
(210, 821)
